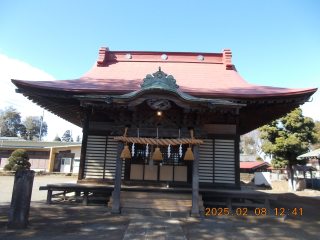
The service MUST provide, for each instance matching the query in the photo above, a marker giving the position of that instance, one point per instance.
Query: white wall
(262, 178)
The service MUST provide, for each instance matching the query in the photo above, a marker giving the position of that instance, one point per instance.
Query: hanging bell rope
(192, 138)
(125, 132)
(157, 156)
(189, 154)
(125, 152)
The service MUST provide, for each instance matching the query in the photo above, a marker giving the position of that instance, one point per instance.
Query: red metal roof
(252, 165)
(213, 76)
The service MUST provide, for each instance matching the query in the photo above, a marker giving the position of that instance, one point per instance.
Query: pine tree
(317, 128)
(289, 137)
(67, 136)
(57, 139)
(10, 123)
(32, 125)
(19, 159)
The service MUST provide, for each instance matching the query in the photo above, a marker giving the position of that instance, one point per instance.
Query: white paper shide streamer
(169, 149)
(147, 150)
(132, 150)
(180, 150)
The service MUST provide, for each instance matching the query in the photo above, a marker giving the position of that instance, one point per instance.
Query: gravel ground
(6, 186)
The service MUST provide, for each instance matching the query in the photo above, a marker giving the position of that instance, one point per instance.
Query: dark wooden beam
(237, 154)
(195, 183)
(117, 181)
(83, 148)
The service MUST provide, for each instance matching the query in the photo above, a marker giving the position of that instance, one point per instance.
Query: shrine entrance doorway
(172, 169)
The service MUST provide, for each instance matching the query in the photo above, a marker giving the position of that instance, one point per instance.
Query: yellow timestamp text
(288, 211)
(238, 212)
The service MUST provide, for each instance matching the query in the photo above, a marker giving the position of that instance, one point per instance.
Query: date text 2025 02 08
(257, 212)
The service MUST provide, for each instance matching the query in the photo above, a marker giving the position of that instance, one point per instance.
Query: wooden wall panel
(180, 173)
(220, 128)
(206, 161)
(224, 160)
(101, 155)
(136, 172)
(95, 157)
(111, 158)
(166, 173)
(151, 174)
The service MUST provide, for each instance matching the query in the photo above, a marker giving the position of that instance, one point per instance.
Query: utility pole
(41, 124)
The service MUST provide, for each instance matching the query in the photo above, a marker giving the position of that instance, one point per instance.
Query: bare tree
(252, 143)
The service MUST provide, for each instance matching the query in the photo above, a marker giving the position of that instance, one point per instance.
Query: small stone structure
(21, 198)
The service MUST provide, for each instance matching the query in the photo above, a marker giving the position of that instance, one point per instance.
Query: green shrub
(19, 159)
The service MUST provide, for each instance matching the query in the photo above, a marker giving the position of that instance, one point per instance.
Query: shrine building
(163, 102)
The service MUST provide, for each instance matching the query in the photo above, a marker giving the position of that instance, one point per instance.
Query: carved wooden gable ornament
(159, 80)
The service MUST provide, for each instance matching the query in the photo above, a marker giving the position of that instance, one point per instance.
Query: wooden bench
(77, 189)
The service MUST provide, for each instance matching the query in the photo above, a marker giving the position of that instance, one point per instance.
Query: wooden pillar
(51, 160)
(195, 183)
(49, 196)
(237, 154)
(117, 181)
(21, 198)
(83, 148)
(85, 198)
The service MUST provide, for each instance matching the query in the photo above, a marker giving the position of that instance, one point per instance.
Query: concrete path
(154, 228)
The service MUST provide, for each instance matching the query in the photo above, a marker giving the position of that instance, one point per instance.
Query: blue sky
(274, 43)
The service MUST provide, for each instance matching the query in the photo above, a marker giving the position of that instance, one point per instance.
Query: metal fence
(313, 184)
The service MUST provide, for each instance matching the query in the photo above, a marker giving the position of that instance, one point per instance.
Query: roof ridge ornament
(102, 56)
(159, 81)
(226, 58)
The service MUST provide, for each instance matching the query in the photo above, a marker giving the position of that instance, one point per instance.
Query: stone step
(155, 213)
(159, 207)
(157, 201)
(150, 195)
